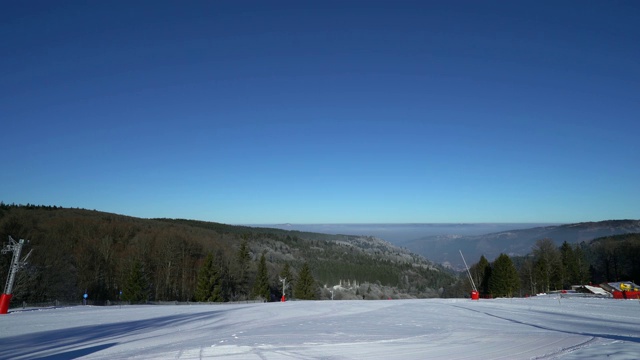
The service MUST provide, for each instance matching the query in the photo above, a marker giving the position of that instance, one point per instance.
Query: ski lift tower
(284, 287)
(16, 264)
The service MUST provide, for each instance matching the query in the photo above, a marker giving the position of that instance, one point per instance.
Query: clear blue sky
(324, 112)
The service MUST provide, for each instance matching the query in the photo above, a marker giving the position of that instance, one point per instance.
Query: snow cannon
(475, 295)
(5, 299)
(625, 287)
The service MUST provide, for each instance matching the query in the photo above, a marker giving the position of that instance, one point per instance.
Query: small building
(590, 290)
(593, 290)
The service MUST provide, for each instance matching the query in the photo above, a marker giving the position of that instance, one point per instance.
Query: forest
(119, 258)
(550, 267)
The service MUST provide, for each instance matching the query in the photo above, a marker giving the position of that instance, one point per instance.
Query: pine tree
(243, 262)
(504, 281)
(136, 287)
(207, 280)
(224, 285)
(581, 270)
(481, 273)
(306, 288)
(261, 285)
(568, 265)
(213, 280)
(574, 268)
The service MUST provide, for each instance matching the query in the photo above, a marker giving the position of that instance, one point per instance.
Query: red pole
(5, 299)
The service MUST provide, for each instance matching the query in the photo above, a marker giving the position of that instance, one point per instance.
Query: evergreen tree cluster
(213, 283)
(136, 287)
(261, 286)
(551, 268)
(504, 280)
(497, 279)
(611, 258)
(306, 286)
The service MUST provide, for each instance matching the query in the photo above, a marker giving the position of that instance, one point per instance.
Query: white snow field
(533, 328)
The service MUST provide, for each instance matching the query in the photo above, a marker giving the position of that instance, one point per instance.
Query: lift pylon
(16, 264)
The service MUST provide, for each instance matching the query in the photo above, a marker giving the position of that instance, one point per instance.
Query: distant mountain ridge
(444, 249)
(399, 233)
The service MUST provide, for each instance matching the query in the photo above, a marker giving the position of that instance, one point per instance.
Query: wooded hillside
(77, 251)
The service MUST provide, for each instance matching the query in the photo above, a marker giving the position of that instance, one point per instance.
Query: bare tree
(548, 263)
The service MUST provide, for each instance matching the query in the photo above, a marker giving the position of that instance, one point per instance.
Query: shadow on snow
(64, 343)
(592, 334)
(73, 354)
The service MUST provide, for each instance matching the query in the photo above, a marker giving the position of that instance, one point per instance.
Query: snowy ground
(538, 328)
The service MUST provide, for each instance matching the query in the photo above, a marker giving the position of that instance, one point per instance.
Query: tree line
(551, 268)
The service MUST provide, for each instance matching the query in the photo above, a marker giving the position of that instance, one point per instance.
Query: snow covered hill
(537, 328)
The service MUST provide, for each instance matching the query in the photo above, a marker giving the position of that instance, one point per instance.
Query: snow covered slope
(576, 328)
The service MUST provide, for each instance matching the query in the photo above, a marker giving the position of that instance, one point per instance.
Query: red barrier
(475, 295)
(626, 294)
(5, 299)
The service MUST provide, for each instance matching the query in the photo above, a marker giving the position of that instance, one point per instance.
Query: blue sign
(85, 296)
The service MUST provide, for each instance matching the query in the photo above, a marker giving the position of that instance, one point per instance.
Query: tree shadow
(73, 354)
(63, 342)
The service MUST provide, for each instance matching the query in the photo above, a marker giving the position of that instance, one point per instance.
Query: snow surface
(533, 328)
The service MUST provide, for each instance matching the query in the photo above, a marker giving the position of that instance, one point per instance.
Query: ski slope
(534, 328)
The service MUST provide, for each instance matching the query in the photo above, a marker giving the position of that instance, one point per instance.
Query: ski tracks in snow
(399, 329)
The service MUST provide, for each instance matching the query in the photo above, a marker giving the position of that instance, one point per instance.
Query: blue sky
(324, 112)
